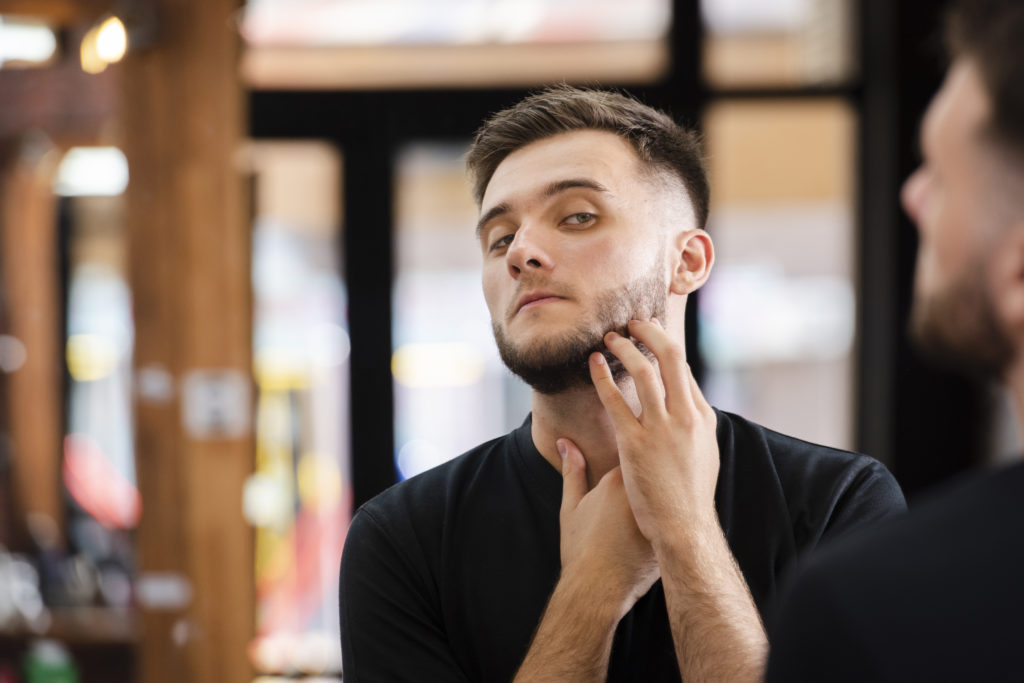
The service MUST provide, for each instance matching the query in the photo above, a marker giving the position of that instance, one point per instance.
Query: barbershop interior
(240, 291)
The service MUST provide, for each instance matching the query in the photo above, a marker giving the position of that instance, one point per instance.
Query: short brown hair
(991, 32)
(660, 143)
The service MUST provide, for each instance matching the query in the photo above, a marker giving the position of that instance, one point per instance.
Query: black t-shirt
(937, 595)
(444, 577)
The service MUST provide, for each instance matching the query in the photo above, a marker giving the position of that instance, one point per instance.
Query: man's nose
(912, 196)
(527, 252)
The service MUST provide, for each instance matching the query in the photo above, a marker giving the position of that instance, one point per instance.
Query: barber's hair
(991, 33)
(661, 144)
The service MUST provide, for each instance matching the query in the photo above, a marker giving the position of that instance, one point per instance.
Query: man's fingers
(611, 398)
(574, 474)
(645, 376)
(675, 373)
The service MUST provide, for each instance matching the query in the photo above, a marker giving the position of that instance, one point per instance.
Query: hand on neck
(578, 415)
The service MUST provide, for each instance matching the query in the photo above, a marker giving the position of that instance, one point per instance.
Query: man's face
(954, 200)
(573, 244)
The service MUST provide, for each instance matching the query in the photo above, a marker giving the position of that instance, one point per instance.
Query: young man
(937, 595)
(627, 531)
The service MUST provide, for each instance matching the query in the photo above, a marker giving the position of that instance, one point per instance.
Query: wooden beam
(190, 260)
(61, 13)
(29, 267)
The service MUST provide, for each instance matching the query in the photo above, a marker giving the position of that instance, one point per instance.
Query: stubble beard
(557, 365)
(958, 328)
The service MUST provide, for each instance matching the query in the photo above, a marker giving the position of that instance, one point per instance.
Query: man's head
(658, 141)
(591, 209)
(967, 198)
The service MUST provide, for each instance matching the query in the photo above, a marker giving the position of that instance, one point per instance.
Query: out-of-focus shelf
(85, 626)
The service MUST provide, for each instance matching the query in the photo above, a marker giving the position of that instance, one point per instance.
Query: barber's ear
(1007, 269)
(694, 256)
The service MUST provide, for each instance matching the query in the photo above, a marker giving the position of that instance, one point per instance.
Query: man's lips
(535, 298)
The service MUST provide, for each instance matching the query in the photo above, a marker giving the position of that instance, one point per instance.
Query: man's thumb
(574, 474)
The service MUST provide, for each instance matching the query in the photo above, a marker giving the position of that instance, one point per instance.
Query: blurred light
(29, 42)
(329, 345)
(97, 485)
(445, 364)
(111, 40)
(319, 480)
(90, 357)
(104, 44)
(92, 172)
(266, 501)
(754, 16)
(12, 353)
(756, 313)
(418, 456)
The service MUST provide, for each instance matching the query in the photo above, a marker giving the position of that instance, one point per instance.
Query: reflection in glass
(451, 390)
(299, 498)
(778, 43)
(98, 467)
(777, 317)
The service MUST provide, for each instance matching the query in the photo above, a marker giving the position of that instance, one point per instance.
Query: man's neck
(579, 416)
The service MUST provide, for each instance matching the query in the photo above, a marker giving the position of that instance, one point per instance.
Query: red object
(98, 486)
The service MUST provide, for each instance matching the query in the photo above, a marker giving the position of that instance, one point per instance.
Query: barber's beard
(958, 328)
(561, 364)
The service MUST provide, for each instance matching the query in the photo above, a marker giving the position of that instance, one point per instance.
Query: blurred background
(239, 289)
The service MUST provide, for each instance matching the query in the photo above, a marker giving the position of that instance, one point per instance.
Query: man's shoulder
(792, 457)
(438, 484)
(825, 491)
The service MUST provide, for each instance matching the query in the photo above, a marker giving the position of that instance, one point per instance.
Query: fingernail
(612, 336)
(657, 322)
(562, 450)
(598, 358)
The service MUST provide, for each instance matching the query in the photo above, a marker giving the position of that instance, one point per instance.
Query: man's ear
(694, 256)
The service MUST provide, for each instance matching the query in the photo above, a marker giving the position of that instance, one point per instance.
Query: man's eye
(579, 218)
(502, 242)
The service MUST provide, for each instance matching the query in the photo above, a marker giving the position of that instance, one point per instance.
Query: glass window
(299, 498)
(778, 43)
(99, 457)
(777, 316)
(451, 390)
(410, 43)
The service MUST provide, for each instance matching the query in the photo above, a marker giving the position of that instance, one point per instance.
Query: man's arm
(607, 565)
(390, 627)
(669, 460)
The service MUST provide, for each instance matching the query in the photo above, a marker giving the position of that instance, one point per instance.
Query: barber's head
(591, 213)
(967, 197)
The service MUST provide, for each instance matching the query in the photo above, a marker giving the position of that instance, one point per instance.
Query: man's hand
(669, 452)
(600, 539)
(607, 565)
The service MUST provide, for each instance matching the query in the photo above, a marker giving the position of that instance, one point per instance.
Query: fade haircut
(661, 144)
(991, 33)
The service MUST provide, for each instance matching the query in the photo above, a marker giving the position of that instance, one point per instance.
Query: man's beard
(556, 365)
(958, 327)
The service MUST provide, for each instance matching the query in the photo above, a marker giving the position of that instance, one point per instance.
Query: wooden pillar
(188, 231)
(29, 265)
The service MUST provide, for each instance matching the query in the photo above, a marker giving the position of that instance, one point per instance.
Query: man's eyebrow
(571, 183)
(550, 191)
(491, 214)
